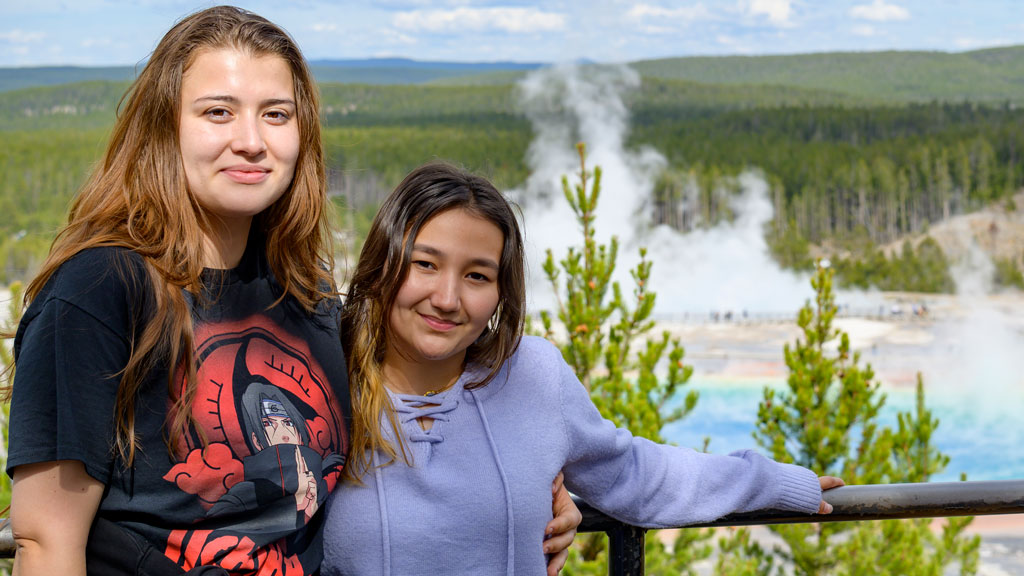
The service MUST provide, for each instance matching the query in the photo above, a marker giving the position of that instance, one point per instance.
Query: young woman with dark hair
(459, 419)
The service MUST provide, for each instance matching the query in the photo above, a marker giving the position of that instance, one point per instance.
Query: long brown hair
(383, 266)
(138, 198)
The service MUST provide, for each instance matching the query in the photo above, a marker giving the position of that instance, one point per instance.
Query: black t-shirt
(272, 402)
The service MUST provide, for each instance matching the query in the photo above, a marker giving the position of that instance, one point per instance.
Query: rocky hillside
(997, 230)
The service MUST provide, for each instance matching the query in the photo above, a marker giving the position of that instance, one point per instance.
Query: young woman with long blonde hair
(179, 400)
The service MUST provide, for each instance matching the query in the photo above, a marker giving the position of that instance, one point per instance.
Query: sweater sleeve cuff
(799, 489)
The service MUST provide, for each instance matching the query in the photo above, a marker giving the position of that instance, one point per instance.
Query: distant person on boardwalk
(461, 420)
(181, 400)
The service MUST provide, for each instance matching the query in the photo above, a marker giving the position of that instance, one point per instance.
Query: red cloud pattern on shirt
(208, 473)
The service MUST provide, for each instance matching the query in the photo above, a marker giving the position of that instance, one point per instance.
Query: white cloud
(395, 37)
(879, 11)
(512, 20)
(655, 20)
(864, 30)
(405, 4)
(323, 27)
(689, 13)
(95, 42)
(21, 37)
(652, 30)
(777, 11)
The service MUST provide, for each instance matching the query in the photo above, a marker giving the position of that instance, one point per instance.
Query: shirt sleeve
(659, 486)
(71, 347)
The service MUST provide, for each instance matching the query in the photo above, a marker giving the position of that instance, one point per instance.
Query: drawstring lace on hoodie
(511, 566)
(409, 407)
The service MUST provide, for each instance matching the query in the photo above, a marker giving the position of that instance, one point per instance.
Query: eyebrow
(233, 100)
(485, 262)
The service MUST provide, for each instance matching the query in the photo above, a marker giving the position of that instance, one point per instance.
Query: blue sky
(119, 32)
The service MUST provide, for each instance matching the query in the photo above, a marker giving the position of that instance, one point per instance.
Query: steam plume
(725, 268)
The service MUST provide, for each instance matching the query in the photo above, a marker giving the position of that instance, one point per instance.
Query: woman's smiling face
(450, 291)
(238, 132)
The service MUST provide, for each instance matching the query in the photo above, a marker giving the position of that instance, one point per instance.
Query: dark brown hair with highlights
(383, 266)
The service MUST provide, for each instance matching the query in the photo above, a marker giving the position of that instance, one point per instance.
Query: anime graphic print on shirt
(275, 441)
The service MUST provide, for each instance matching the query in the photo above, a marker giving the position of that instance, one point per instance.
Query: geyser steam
(721, 269)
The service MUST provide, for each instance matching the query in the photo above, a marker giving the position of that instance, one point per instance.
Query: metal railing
(850, 503)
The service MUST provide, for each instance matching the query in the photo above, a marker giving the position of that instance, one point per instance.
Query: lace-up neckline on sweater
(412, 407)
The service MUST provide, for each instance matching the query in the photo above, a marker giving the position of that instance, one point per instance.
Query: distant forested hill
(28, 77)
(79, 106)
(406, 71)
(369, 71)
(995, 74)
(88, 105)
(847, 171)
(991, 75)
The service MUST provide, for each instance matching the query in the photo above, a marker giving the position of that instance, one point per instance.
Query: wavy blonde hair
(383, 266)
(138, 198)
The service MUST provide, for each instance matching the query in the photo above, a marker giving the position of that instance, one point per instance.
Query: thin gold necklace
(439, 390)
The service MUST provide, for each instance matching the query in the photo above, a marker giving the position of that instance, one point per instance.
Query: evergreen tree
(610, 347)
(827, 420)
(1007, 274)
(789, 248)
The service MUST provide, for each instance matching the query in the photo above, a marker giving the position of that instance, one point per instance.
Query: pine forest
(852, 176)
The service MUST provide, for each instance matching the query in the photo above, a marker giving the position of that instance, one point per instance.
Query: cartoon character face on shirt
(270, 418)
(278, 427)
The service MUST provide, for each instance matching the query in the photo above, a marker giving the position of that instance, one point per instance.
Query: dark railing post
(626, 551)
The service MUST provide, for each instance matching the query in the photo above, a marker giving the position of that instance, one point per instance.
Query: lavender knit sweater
(478, 495)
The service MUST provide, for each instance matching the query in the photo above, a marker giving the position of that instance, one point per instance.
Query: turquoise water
(983, 436)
